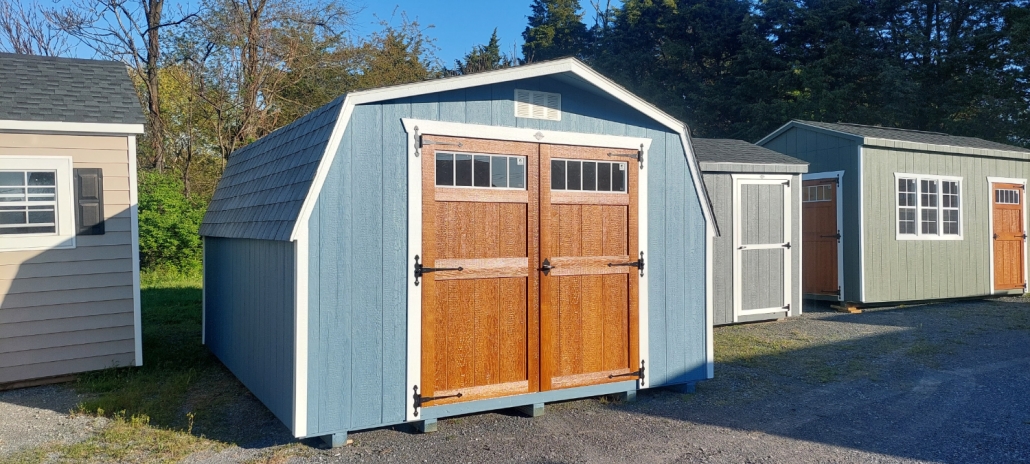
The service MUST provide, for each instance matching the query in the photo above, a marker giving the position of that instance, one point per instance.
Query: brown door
(480, 324)
(820, 237)
(588, 308)
(1009, 236)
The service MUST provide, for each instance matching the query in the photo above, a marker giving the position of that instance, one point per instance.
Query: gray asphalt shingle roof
(38, 88)
(905, 135)
(265, 183)
(738, 152)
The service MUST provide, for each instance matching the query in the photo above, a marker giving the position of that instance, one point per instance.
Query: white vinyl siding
(928, 207)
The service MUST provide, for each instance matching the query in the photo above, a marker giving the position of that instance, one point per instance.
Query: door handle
(546, 267)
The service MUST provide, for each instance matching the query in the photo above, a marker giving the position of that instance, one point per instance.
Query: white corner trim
(709, 307)
(64, 187)
(300, 334)
(414, 302)
(839, 175)
(137, 314)
(860, 178)
(568, 65)
(990, 227)
(70, 127)
(783, 180)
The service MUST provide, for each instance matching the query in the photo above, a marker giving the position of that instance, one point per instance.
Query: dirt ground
(933, 383)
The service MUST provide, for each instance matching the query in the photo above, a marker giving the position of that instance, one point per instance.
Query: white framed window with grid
(928, 207)
(37, 203)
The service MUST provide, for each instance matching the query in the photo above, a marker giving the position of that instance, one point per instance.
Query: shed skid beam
(628, 397)
(690, 387)
(335, 440)
(532, 410)
(426, 426)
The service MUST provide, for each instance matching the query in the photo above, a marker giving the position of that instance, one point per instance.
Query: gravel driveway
(935, 383)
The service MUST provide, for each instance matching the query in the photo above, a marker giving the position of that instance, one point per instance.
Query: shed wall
(826, 152)
(358, 262)
(71, 310)
(249, 316)
(903, 270)
(720, 189)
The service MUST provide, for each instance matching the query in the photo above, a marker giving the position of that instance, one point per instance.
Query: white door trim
(416, 127)
(760, 179)
(839, 175)
(990, 226)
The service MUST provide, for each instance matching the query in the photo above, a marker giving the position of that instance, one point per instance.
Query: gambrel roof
(270, 187)
(70, 90)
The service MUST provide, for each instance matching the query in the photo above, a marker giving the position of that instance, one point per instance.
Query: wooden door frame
(738, 180)
(414, 129)
(990, 228)
(839, 175)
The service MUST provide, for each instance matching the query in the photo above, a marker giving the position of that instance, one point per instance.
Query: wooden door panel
(588, 308)
(818, 231)
(479, 323)
(1009, 238)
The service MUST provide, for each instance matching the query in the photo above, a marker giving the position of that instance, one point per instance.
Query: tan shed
(69, 255)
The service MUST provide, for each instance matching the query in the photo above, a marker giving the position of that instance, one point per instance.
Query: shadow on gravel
(944, 382)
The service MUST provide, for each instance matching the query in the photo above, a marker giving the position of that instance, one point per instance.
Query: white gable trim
(72, 127)
(569, 65)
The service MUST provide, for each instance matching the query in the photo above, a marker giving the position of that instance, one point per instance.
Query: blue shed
(504, 239)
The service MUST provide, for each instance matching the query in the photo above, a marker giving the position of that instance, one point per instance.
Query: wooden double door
(530, 268)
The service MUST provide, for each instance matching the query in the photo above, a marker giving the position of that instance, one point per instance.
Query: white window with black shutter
(37, 203)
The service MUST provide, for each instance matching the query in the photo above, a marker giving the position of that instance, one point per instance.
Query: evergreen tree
(555, 30)
(484, 58)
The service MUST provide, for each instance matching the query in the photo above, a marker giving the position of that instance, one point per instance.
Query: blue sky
(458, 25)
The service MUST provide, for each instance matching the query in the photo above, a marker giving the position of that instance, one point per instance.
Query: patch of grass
(124, 439)
(181, 400)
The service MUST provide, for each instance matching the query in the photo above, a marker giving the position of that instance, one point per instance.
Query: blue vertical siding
(249, 317)
(358, 245)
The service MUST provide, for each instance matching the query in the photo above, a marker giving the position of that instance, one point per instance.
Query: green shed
(894, 215)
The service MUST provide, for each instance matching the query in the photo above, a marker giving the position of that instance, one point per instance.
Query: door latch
(546, 267)
(836, 236)
(420, 269)
(639, 264)
(418, 399)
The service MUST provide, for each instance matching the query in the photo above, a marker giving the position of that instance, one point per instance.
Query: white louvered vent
(537, 105)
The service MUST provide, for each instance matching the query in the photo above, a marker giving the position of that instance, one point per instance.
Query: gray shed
(505, 239)
(756, 198)
(894, 215)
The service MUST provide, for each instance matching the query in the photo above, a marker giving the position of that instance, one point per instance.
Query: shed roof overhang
(60, 127)
(569, 70)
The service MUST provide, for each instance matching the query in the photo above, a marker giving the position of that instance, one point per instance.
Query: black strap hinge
(418, 400)
(639, 155)
(639, 264)
(786, 245)
(638, 374)
(420, 269)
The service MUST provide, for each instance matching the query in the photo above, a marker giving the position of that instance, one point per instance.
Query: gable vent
(537, 105)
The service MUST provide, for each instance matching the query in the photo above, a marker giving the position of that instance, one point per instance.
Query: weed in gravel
(125, 439)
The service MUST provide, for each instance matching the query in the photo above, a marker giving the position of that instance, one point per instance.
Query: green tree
(555, 30)
(168, 225)
(484, 58)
